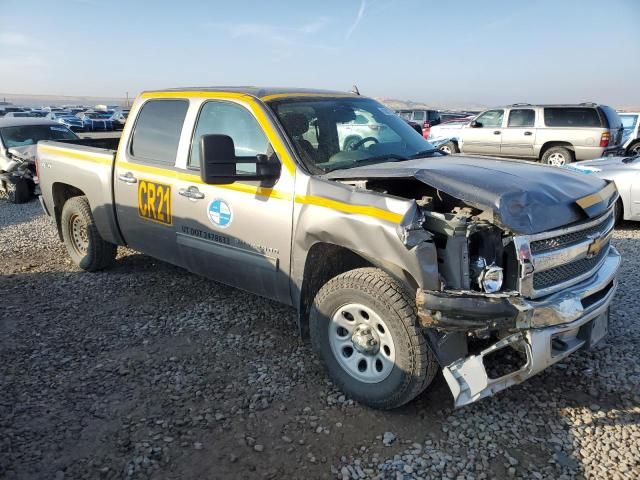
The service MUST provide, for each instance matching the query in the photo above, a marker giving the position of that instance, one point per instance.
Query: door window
(419, 116)
(491, 119)
(522, 117)
(226, 118)
(157, 131)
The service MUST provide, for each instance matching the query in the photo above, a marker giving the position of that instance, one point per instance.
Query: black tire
(449, 147)
(415, 365)
(84, 244)
(19, 192)
(618, 212)
(634, 148)
(553, 155)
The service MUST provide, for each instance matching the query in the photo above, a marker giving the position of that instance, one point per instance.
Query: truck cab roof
(263, 93)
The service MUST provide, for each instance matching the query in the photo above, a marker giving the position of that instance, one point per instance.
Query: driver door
(238, 233)
(485, 136)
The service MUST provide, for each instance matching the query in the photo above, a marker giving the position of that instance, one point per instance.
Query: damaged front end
(511, 301)
(552, 299)
(17, 165)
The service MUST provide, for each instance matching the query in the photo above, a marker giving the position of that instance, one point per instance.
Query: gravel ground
(147, 371)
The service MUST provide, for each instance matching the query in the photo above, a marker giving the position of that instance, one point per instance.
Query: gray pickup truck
(399, 259)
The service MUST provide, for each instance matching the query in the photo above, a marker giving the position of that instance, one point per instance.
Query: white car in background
(364, 128)
(625, 173)
(631, 132)
(449, 131)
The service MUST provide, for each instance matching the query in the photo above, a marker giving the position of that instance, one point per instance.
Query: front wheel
(449, 148)
(363, 325)
(84, 244)
(634, 149)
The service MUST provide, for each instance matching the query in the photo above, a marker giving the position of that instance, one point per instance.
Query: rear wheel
(363, 324)
(84, 244)
(557, 156)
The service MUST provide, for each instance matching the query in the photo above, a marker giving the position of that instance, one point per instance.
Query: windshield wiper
(425, 153)
(387, 156)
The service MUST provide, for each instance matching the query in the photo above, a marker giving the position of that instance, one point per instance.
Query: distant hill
(396, 104)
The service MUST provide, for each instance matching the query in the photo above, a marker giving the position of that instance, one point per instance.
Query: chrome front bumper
(551, 329)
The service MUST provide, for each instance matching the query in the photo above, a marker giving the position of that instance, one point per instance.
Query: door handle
(528, 133)
(191, 192)
(127, 178)
(496, 132)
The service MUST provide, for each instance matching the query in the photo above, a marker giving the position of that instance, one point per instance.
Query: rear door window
(523, 117)
(157, 131)
(419, 116)
(571, 117)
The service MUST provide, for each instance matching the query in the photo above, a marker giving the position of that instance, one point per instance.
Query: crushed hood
(526, 197)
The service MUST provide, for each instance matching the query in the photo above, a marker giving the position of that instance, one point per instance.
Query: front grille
(560, 241)
(568, 271)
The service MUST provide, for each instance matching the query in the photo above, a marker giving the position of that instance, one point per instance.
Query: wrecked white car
(18, 139)
(399, 259)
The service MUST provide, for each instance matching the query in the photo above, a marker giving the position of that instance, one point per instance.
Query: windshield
(339, 133)
(23, 135)
(629, 121)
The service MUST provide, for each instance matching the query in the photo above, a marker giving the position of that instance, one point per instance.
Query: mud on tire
(84, 244)
(414, 365)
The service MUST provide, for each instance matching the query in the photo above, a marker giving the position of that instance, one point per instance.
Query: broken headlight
(488, 277)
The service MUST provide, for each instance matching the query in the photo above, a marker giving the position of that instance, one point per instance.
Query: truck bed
(86, 165)
(104, 143)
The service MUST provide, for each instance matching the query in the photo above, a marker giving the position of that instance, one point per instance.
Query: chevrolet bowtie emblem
(596, 246)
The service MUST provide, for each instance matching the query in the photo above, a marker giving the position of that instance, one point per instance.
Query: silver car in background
(625, 172)
(553, 134)
(631, 133)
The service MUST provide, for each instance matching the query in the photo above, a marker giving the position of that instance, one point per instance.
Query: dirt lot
(147, 371)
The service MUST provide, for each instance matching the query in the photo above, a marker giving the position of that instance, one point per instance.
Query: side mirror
(475, 124)
(220, 165)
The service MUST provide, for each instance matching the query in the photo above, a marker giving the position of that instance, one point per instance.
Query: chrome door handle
(528, 133)
(191, 192)
(127, 177)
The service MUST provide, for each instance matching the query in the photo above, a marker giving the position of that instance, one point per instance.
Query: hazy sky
(484, 52)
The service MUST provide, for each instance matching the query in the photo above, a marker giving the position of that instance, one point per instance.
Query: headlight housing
(488, 277)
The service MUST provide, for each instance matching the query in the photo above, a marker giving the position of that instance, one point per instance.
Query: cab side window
(226, 118)
(491, 119)
(522, 118)
(157, 132)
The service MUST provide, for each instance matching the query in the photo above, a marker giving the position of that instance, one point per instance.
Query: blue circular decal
(219, 213)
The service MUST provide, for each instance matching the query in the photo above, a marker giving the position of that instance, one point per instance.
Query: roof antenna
(355, 90)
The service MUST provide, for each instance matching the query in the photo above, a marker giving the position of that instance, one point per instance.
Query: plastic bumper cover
(547, 330)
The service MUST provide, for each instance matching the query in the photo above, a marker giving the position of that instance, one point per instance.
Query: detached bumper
(546, 330)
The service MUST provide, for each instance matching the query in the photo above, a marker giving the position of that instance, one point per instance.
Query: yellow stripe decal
(597, 197)
(276, 96)
(348, 208)
(91, 157)
(365, 210)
